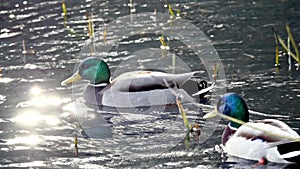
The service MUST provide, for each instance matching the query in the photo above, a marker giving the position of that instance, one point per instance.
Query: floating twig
(249, 55)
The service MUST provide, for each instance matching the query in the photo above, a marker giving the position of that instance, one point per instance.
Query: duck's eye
(220, 103)
(85, 66)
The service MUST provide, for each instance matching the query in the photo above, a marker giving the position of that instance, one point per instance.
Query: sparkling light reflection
(42, 101)
(35, 90)
(39, 117)
(29, 140)
(69, 107)
(32, 118)
(6, 80)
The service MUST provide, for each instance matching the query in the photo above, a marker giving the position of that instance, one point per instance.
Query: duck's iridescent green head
(234, 106)
(231, 105)
(93, 69)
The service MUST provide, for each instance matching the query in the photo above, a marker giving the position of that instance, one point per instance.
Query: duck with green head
(130, 89)
(269, 138)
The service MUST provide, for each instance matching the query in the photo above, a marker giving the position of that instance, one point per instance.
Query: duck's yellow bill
(75, 77)
(211, 114)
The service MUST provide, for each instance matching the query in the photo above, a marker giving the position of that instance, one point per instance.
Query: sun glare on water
(35, 90)
(29, 140)
(32, 118)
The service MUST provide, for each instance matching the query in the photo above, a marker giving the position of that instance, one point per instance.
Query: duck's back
(145, 88)
(137, 81)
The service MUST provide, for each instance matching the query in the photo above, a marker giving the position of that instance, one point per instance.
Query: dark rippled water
(38, 118)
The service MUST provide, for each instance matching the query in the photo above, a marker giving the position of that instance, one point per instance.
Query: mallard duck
(269, 138)
(131, 89)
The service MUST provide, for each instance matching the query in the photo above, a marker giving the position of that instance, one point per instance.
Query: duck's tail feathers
(204, 90)
(182, 78)
(290, 151)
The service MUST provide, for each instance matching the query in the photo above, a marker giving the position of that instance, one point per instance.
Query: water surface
(37, 119)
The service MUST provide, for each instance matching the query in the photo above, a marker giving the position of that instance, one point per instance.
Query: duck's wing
(281, 125)
(257, 149)
(268, 138)
(288, 148)
(269, 130)
(149, 80)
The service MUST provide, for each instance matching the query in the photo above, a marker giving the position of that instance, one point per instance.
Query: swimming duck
(131, 89)
(269, 138)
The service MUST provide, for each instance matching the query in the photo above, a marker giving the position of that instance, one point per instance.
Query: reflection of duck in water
(268, 139)
(131, 89)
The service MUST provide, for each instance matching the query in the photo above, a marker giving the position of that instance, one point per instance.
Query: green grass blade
(276, 48)
(286, 48)
(293, 42)
(185, 120)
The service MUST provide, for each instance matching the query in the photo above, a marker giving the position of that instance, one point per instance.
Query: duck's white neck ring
(98, 85)
(232, 128)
